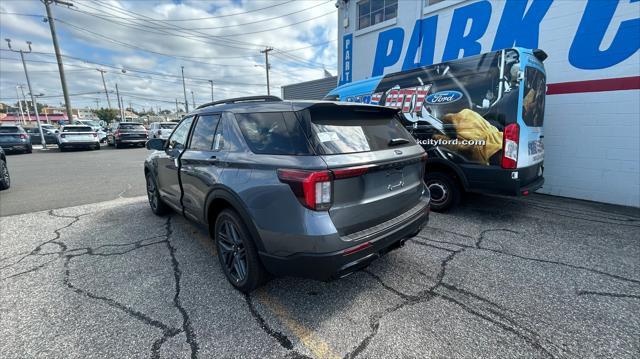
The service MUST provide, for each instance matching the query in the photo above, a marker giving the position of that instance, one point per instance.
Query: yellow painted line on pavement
(316, 345)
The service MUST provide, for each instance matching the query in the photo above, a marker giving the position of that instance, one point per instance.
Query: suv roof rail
(241, 99)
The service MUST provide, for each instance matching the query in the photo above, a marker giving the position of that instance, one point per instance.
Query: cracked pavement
(498, 277)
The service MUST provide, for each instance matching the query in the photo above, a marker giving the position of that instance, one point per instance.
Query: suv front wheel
(236, 252)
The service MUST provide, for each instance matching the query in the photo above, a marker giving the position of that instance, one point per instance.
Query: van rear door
(531, 151)
(376, 163)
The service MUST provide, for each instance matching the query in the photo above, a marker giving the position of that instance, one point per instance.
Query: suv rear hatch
(131, 131)
(376, 164)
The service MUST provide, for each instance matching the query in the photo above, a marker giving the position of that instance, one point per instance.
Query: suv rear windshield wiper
(398, 141)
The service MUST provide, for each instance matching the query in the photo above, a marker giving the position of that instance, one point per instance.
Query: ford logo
(443, 97)
(397, 152)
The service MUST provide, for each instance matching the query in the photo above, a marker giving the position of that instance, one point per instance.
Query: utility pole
(193, 100)
(119, 104)
(105, 87)
(33, 99)
(211, 83)
(266, 65)
(20, 105)
(177, 118)
(184, 88)
(26, 104)
(56, 47)
(97, 104)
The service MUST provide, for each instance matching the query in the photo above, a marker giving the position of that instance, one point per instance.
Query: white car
(76, 136)
(161, 129)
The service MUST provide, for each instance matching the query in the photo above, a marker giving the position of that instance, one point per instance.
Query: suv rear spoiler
(242, 99)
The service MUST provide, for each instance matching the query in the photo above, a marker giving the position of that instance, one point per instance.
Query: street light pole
(193, 100)
(33, 99)
(211, 83)
(177, 110)
(105, 87)
(20, 105)
(119, 104)
(56, 47)
(184, 88)
(266, 60)
(26, 104)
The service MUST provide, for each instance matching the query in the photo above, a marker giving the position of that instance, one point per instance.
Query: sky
(143, 44)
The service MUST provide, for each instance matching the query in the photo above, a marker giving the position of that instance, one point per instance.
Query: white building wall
(592, 139)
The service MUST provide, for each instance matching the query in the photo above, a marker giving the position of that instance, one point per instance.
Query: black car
(50, 136)
(5, 180)
(122, 134)
(15, 138)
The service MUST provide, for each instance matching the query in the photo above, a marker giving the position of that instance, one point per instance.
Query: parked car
(5, 179)
(15, 138)
(74, 136)
(50, 135)
(161, 129)
(95, 126)
(126, 134)
(311, 189)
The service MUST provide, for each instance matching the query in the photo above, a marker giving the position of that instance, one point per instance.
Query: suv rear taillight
(314, 189)
(23, 136)
(117, 133)
(511, 137)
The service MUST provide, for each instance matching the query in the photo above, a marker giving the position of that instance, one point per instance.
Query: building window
(371, 12)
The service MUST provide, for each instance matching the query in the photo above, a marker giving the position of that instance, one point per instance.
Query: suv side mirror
(155, 144)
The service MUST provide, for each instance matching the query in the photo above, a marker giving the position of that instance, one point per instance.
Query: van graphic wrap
(461, 106)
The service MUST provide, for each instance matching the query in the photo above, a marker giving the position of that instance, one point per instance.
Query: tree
(107, 115)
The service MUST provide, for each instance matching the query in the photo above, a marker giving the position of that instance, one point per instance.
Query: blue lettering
(386, 57)
(585, 50)
(422, 29)
(519, 29)
(479, 13)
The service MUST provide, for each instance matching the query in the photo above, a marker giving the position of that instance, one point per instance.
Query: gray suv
(310, 189)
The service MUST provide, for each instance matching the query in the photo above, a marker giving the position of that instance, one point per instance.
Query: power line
(216, 16)
(271, 29)
(262, 20)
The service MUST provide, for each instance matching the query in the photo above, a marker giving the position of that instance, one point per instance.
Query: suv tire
(445, 192)
(5, 179)
(237, 253)
(158, 207)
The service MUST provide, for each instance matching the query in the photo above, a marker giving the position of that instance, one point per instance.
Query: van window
(274, 133)
(534, 96)
(351, 131)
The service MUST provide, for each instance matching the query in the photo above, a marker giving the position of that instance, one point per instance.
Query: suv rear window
(274, 133)
(9, 129)
(167, 126)
(351, 131)
(130, 126)
(77, 129)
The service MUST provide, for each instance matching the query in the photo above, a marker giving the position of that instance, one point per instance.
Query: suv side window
(273, 133)
(203, 132)
(178, 139)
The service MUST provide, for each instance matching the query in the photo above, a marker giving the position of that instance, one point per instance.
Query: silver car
(76, 136)
(161, 129)
(311, 189)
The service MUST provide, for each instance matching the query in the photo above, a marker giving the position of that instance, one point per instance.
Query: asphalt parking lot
(496, 278)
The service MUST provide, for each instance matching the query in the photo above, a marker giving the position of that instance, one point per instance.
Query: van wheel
(445, 192)
(236, 252)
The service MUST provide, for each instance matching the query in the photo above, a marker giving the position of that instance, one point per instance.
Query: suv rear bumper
(326, 266)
